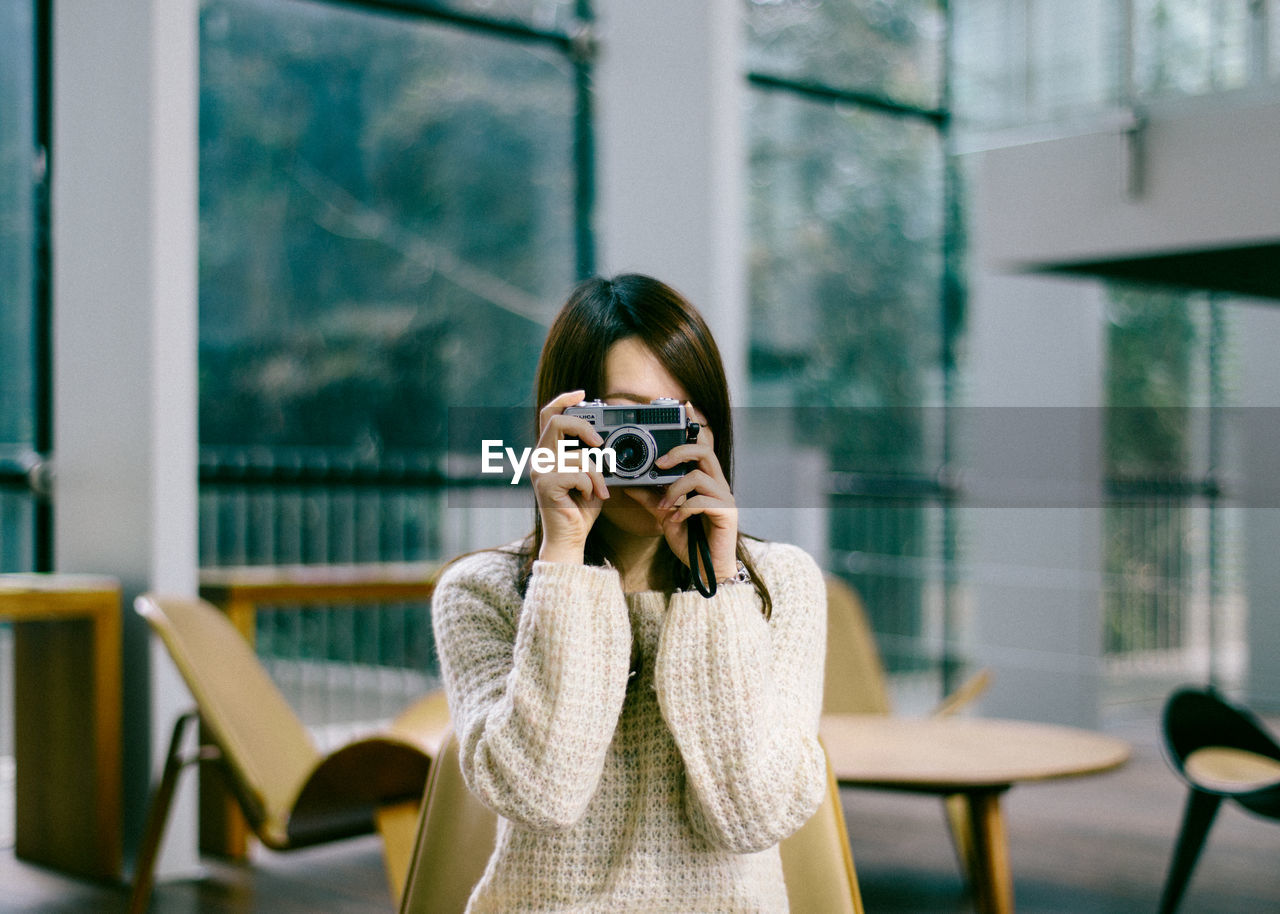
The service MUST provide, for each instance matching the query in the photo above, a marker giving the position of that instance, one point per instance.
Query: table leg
(68, 743)
(991, 877)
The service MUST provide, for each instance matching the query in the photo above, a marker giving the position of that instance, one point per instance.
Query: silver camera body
(640, 434)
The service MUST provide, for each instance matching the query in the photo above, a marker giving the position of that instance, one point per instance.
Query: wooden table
(973, 758)
(67, 720)
(239, 592)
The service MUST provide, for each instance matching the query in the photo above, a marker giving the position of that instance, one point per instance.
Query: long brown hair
(600, 312)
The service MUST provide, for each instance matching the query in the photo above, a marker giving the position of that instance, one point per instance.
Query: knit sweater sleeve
(742, 696)
(535, 686)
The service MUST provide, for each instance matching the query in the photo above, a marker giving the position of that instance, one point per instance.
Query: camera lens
(632, 453)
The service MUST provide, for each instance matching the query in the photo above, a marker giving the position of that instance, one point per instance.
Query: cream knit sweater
(646, 752)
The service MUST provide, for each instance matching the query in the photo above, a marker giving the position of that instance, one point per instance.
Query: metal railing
(1171, 595)
(345, 666)
(1172, 601)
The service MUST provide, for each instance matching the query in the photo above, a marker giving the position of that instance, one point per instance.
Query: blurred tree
(1153, 344)
(386, 222)
(846, 225)
(891, 48)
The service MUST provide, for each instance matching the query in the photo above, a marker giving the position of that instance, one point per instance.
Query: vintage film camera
(639, 435)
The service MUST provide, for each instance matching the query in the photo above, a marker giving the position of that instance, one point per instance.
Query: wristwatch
(741, 576)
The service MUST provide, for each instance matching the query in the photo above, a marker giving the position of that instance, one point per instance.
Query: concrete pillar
(124, 213)
(671, 157)
(1031, 452)
(1256, 328)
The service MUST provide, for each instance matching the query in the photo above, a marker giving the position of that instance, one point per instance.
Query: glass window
(1161, 548)
(1272, 39)
(18, 244)
(387, 222)
(888, 48)
(539, 14)
(846, 228)
(17, 226)
(1188, 47)
(1018, 62)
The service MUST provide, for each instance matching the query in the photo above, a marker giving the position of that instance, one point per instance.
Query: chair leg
(157, 817)
(960, 822)
(1200, 811)
(398, 825)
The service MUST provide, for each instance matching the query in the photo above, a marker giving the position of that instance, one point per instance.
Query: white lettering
(491, 461)
(565, 447)
(517, 464)
(568, 457)
(544, 460)
(601, 457)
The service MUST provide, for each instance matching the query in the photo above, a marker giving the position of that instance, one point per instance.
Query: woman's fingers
(559, 427)
(559, 405)
(700, 454)
(695, 481)
(712, 508)
(554, 425)
(721, 528)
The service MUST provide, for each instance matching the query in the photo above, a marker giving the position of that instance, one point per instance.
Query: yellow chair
(456, 834)
(818, 863)
(291, 794)
(855, 683)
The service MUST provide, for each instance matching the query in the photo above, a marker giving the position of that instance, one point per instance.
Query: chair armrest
(968, 691)
(423, 723)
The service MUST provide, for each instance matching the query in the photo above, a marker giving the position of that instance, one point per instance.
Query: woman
(646, 746)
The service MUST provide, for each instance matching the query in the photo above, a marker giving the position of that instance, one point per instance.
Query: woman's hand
(703, 491)
(568, 503)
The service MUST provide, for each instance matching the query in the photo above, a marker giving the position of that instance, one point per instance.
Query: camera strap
(704, 574)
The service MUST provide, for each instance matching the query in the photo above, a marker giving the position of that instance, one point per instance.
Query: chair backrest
(1237, 756)
(456, 834)
(1195, 718)
(265, 747)
(455, 839)
(855, 678)
(817, 862)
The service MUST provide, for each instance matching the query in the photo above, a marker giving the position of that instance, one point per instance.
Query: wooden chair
(856, 683)
(291, 795)
(456, 834)
(855, 680)
(1222, 752)
(818, 863)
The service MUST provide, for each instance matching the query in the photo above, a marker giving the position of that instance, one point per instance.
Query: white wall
(1256, 429)
(124, 325)
(1208, 181)
(671, 156)
(1030, 447)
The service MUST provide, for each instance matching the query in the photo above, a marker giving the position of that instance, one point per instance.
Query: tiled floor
(1096, 845)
